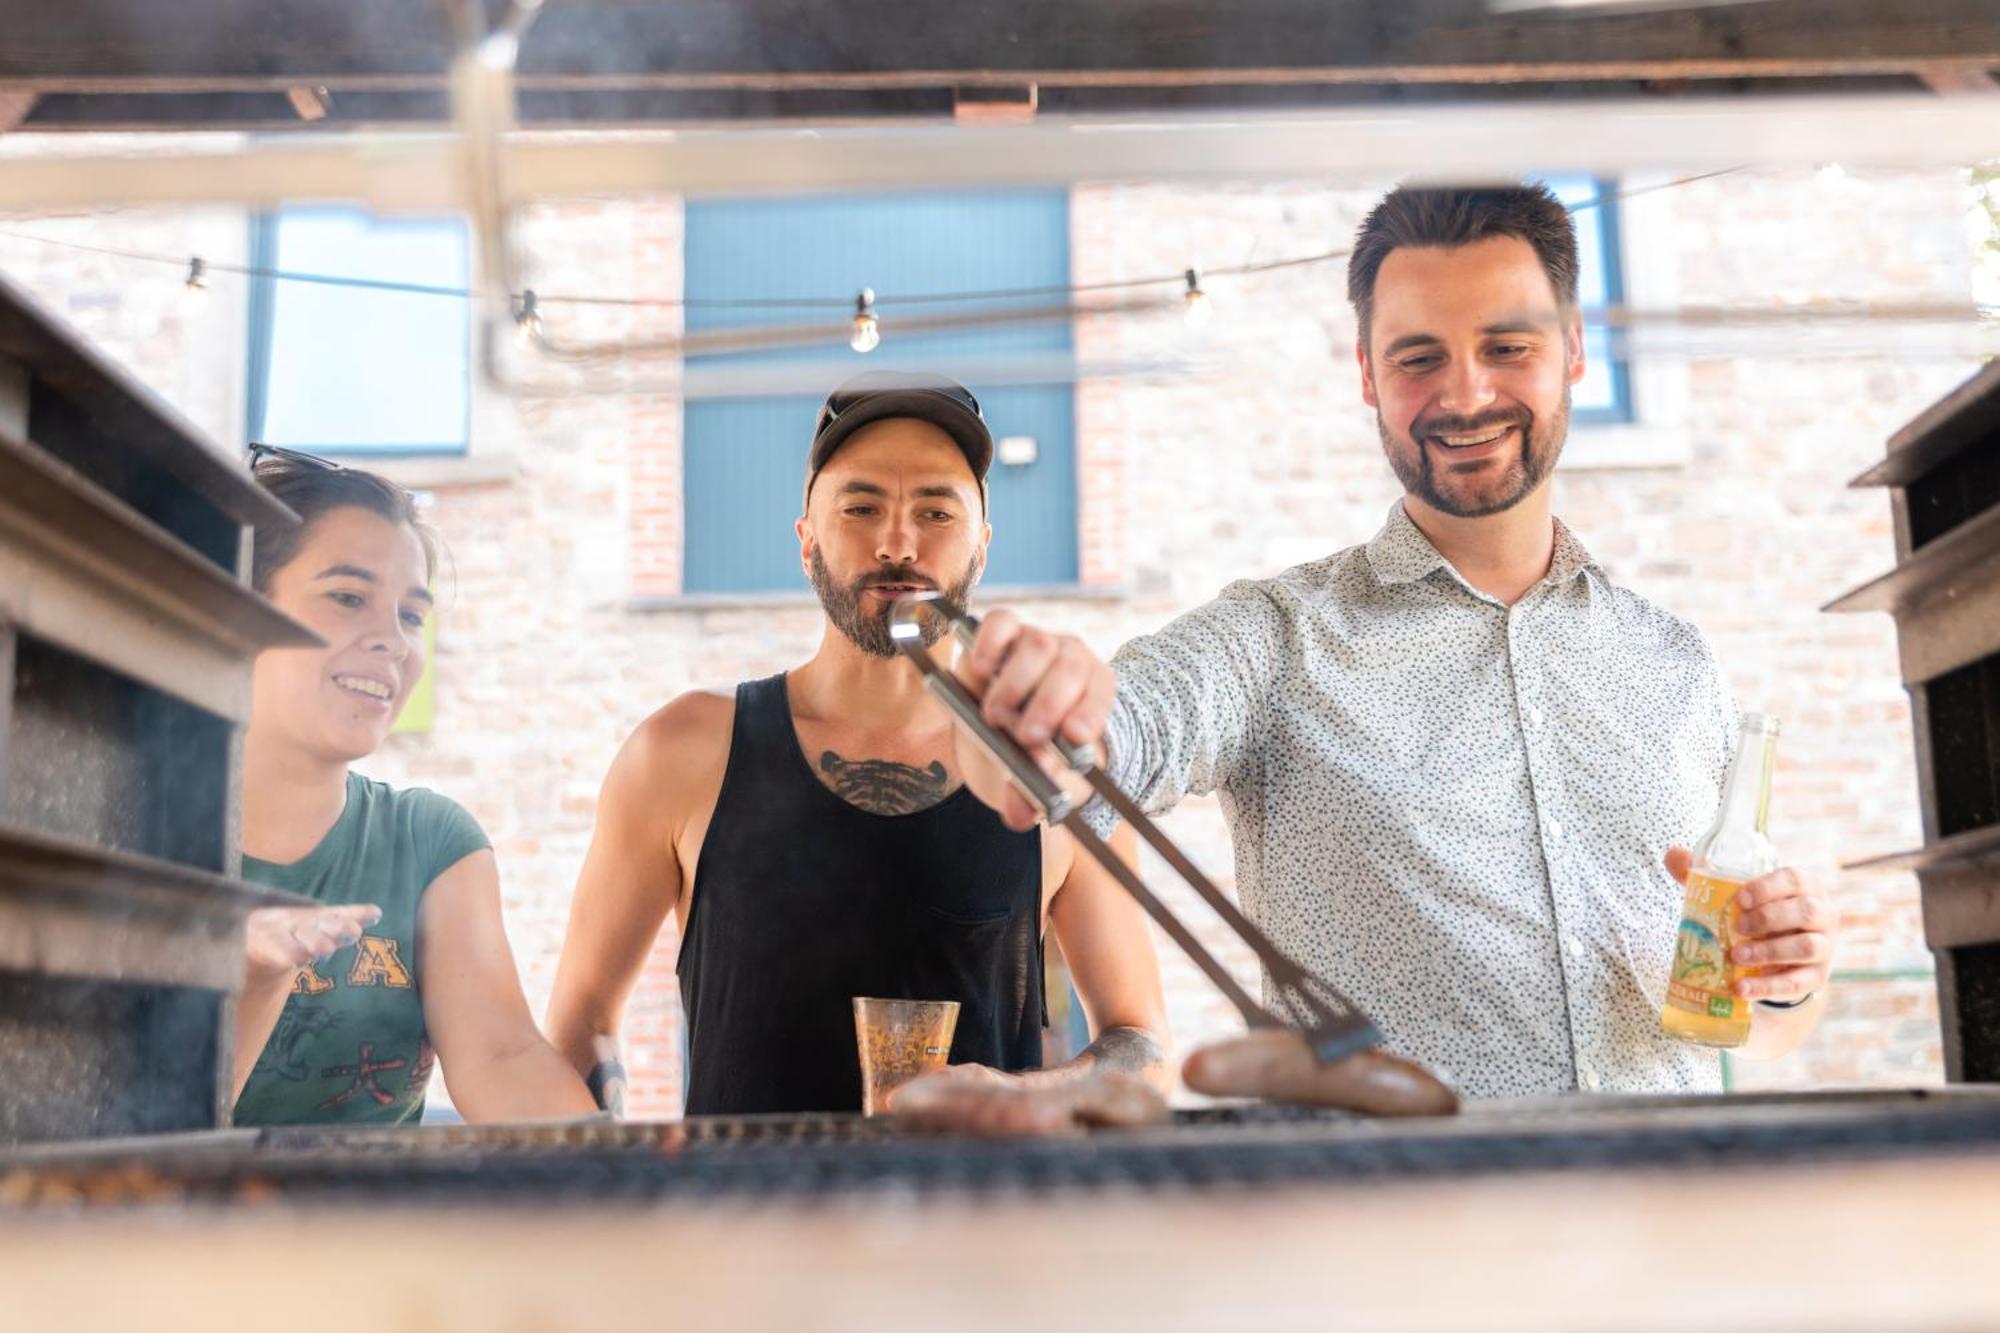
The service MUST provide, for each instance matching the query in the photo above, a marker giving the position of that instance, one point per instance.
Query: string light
(527, 320)
(196, 285)
(867, 332)
(1198, 310)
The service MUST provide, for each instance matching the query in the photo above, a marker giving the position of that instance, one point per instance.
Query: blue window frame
(1605, 394)
(351, 370)
(744, 454)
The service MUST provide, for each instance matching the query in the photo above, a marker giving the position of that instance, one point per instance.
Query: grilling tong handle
(1331, 1024)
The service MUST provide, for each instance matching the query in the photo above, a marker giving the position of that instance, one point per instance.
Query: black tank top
(803, 901)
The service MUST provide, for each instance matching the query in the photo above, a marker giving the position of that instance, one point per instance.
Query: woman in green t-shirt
(343, 1007)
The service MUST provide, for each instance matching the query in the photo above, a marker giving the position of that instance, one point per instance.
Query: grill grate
(803, 1159)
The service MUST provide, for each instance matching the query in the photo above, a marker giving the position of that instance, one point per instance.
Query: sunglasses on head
(260, 452)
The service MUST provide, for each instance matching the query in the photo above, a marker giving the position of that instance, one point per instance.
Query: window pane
(357, 370)
(744, 455)
(1602, 394)
(1597, 390)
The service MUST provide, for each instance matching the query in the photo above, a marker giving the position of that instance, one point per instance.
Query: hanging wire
(842, 303)
(863, 325)
(1635, 192)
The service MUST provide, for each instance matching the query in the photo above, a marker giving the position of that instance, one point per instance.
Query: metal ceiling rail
(425, 173)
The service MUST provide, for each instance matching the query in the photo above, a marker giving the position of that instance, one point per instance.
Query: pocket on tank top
(957, 955)
(968, 918)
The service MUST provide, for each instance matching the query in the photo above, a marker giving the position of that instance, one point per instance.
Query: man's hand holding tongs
(1034, 685)
(1040, 690)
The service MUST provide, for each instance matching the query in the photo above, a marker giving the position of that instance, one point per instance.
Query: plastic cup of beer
(899, 1040)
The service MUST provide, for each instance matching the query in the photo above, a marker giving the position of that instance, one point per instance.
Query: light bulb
(197, 285)
(1197, 309)
(527, 321)
(866, 334)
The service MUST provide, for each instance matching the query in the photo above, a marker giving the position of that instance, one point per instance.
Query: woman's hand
(278, 941)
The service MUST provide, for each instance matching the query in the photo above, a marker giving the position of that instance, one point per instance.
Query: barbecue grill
(1863, 1210)
(125, 676)
(795, 1159)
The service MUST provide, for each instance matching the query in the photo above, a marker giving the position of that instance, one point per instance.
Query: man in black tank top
(815, 842)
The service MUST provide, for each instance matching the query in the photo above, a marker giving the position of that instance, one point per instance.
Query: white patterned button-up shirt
(1452, 809)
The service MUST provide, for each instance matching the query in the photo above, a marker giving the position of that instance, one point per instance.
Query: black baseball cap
(879, 395)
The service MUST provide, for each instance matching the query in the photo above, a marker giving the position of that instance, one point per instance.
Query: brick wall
(1252, 454)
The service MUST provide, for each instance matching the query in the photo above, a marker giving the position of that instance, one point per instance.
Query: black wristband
(603, 1074)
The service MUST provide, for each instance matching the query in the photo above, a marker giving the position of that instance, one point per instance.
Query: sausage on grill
(1276, 1063)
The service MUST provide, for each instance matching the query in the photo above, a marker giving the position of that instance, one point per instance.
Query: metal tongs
(1330, 1023)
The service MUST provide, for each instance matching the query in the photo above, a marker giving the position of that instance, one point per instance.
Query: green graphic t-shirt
(350, 1046)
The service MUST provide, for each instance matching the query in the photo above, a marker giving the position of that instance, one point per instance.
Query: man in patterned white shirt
(1460, 765)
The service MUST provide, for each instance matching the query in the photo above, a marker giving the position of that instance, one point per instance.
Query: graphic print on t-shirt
(364, 1071)
(310, 982)
(378, 963)
(297, 1026)
(420, 1072)
(321, 1005)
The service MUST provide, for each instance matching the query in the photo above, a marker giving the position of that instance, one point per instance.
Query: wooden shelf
(48, 494)
(69, 908)
(1971, 848)
(33, 857)
(1945, 598)
(1968, 414)
(84, 570)
(1963, 559)
(127, 410)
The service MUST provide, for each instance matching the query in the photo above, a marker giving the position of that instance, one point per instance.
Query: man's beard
(1540, 446)
(868, 629)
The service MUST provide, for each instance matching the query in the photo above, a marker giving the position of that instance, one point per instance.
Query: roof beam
(421, 173)
(393, 45)
(239, 64)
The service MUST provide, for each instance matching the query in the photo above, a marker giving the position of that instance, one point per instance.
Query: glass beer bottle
(1702, 1004)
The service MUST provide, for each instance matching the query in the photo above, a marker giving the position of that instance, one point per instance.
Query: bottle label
(1702, 980)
